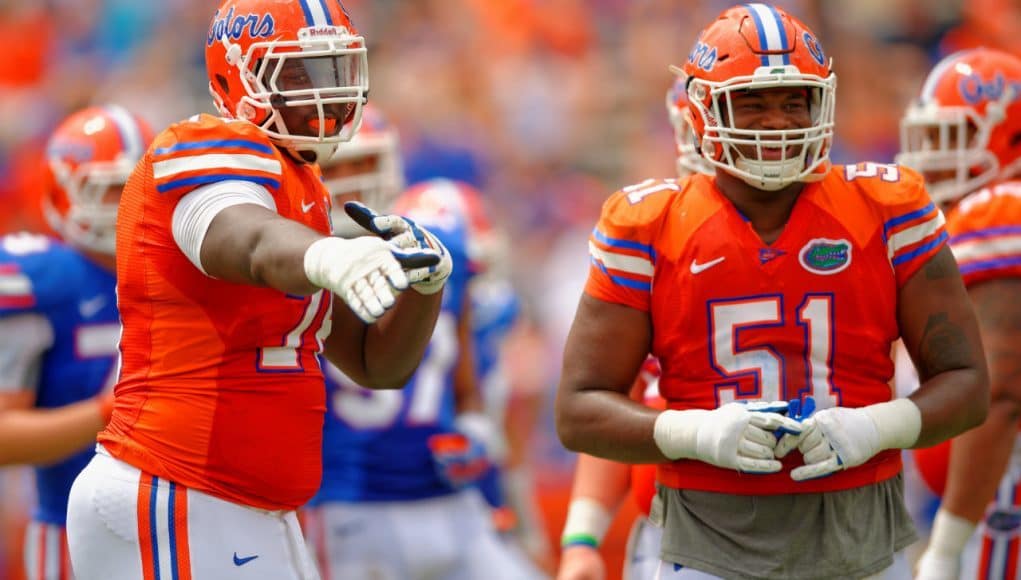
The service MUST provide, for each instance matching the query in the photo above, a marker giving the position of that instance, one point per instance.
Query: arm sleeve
(23, 340)
(913, 227)
(622, 258)
(195, 212)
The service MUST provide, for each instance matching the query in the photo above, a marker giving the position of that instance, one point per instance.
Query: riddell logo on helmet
(321, 31)
(235, 26)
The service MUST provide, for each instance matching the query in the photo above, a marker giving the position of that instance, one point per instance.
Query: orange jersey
(985, 230)
(220, 389)
(985, 235)
(735, 319)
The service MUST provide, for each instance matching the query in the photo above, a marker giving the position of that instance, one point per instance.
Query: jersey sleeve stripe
(214, 144)
(15, 285)
(622, 281)
(164, 169)
(900, 220)
(624, 263)
(910, 236)
(927, 248)
(206, 179)
(979, 249)
(624, 244)
(988, 265)
(986, 233)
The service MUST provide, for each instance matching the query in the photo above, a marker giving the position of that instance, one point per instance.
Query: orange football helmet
(274, 61)
(88, 160)
(369, 165)
(751, 47)
(689, 160)
(964, 130)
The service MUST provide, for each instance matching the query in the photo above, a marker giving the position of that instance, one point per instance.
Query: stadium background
(546, 105)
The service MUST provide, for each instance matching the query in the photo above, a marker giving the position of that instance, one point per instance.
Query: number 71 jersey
(734, 319)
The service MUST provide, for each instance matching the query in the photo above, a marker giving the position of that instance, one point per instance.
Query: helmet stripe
(315, 13)
(771, 33)
(929, 88)
(326, 12)
(127, 127)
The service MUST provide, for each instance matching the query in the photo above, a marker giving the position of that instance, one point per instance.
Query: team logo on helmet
(703, 56)
(235, 26)
(814, 48)
(825, 256)
(975, 90)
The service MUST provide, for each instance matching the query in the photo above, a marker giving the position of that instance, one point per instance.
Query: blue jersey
(495, 308)
(76, 297)
(374, 441)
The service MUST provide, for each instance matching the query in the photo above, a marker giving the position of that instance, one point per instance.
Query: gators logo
(1003, 522)
(825, 256)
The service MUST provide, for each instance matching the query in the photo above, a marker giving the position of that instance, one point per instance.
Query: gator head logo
(825, 256)
(1003, 522)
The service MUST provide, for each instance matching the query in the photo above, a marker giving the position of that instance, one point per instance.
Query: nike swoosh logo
(243, 561)
(307, 208)
(92, 306)
(697, 268)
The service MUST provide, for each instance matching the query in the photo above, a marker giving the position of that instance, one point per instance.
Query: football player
(397, 499)
(963, 133)
(58, 320)
(601, 485)
(229, 286)
(780, 278)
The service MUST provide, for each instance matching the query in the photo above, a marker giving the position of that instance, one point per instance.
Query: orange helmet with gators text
(88, 160)
(298, 69)
(964, 129)
(752, 47)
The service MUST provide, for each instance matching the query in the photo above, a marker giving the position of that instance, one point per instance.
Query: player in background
(601, 485)
(781, 277)
(229, 287)
(963, 133)
(396, 499)
(58, 320)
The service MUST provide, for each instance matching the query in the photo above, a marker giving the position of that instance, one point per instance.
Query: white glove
(942, 557)
(405, 234)
(841, 437)
(365, 272)
(734, 436)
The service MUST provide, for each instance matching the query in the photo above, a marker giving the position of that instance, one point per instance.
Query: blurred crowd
(547, 106)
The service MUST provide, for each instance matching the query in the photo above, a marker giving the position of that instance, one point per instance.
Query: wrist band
(587, 522)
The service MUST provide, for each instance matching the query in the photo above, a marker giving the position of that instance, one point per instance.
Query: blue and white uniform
(383, 510)
(59, 331)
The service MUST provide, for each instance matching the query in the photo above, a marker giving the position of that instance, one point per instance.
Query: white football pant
(46, 556)
(443, 538)
(123, 524)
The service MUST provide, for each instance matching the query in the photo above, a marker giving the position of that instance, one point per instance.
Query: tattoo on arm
(944, 347)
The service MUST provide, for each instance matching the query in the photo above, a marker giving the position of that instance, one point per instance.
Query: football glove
(735, 436)
(404, 233)
(799, 410)
(367, 273)
(458, 459)
(841, 437)
(467, 454)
